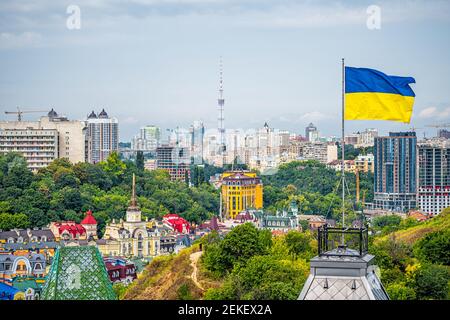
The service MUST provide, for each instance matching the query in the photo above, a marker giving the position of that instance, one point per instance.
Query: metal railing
(346, 241)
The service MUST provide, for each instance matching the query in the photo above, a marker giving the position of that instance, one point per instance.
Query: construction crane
(357, 184)
(20, 112)
(443, 125)
(438, 126)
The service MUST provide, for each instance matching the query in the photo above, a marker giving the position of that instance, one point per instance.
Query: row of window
(32, 239)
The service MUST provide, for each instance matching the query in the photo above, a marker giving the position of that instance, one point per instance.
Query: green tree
(140, 160)
(114, 166)
(386, 221)
(37, 217)
(435, 247)
(184, 293)
(10, 221)
(15, 172)
(298, 243)
(432, 282)
(399, 291)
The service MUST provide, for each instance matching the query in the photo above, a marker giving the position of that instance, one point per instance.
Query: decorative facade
(132, 237)
(241, 190)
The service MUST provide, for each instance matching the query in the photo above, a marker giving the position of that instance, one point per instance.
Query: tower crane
(19, 112)
(437, 126)
(443, 125)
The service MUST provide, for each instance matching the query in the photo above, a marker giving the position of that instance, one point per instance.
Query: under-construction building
(433, 192)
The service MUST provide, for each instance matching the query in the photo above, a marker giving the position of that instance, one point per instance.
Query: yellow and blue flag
(373, 95)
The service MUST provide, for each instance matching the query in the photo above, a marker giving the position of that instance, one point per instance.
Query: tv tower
(220, 105)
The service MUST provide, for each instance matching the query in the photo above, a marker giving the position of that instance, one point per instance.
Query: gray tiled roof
(345, 277)
(330, 288)
(4, 235)
(30, 245)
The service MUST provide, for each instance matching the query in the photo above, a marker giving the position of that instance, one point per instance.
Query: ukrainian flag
(373, 95)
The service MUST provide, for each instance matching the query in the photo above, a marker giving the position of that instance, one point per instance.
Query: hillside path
(194, 260)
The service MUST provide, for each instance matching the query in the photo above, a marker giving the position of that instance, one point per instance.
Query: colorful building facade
(241, 190)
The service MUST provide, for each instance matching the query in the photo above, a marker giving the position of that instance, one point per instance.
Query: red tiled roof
(89, 219)
(73, 229)
(177, 222)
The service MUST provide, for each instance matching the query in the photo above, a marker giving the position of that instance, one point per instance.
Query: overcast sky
(156, 61)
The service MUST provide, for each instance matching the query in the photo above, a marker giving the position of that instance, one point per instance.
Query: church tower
(133, 211)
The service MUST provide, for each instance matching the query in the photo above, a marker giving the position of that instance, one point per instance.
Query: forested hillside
(64, 191)
(414, 258)
(315, 189)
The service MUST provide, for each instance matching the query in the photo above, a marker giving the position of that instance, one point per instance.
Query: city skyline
(146, 61)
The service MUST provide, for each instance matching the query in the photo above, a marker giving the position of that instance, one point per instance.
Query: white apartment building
(321, 151)
(38, 146)
(44, 140)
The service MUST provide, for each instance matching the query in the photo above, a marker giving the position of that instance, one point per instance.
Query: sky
(157, 61)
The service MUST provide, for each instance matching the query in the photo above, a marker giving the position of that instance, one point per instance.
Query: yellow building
(240, 190)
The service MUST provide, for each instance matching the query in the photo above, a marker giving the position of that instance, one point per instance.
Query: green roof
(78, 273)
(24, 284)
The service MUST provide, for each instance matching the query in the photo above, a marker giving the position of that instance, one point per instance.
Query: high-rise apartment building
(442, 133)
(38, 146)
(241, 190)
(102, 136)
(148, 139)
(309, 131)
(42, 141)
(324, 152)
(197, 131)
(175, 160)
(367, 138)
(433, 192)
(395, 180)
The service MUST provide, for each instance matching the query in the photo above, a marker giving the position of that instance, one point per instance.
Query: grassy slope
(163, 277)
(412, 234)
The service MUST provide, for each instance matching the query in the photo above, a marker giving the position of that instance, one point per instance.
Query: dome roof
(89, 219)
(92, 115)
(103, 114)
(52, 114)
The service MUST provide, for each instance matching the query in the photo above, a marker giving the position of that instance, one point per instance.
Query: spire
(133, 203)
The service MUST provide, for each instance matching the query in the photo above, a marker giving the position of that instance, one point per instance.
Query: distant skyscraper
(433, 193)
(395, 171)
(148, 139)
(442, 133)
(309, 130)
(175, 160)
(197, 132)
(102, 136)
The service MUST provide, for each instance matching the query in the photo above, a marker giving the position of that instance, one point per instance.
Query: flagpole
(343, 148)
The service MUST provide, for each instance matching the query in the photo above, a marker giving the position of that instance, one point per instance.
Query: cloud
(129, 120)
(434, 112)
(256, 13)
(25, 39)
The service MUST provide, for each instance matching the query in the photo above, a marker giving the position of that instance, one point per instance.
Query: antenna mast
(343, 150)
(220, 105)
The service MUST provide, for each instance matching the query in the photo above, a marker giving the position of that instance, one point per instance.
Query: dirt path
(194, 260)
